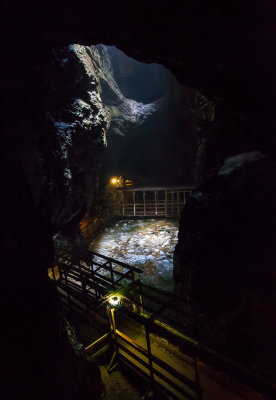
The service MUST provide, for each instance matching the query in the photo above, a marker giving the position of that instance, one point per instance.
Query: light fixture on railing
(117, 181)
(114, 181)
(114, 301)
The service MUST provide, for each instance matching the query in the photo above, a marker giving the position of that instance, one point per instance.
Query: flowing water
(145, 243)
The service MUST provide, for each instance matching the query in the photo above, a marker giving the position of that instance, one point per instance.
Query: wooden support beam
(68, 291)
(178, 204)
(141, 305)
(145, 208)
(134, 204)
(123, 202)
(112, 363)
(166, 203)
(150, 358)
(172, 199)
(156, 205)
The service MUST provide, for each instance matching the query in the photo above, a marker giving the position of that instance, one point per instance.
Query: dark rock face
(225, 257)
(55, 135)
(59, 152)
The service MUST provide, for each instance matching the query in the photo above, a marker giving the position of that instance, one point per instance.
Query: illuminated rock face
(124, 112)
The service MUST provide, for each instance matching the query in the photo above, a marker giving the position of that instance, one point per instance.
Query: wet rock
(140, 243)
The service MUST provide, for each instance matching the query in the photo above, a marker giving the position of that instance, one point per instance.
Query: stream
(145, 243)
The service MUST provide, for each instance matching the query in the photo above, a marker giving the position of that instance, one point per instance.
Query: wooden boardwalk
(85, 280)
(151, 201)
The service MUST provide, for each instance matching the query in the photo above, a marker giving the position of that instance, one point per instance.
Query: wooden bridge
(87, 280)
(151, 201)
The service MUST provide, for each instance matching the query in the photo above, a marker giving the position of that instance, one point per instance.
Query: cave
(146, 105)
(224, 56)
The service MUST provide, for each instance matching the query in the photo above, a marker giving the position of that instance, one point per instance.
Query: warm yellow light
(53, 273)
(114, 301)
(114, 181)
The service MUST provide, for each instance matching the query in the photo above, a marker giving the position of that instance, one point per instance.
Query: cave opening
(151, 135)
(225, 256)
(151, 142)
(124, 152)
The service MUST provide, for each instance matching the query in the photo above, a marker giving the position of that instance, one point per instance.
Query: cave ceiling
(226, 51)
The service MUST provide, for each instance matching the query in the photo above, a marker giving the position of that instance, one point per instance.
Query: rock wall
(225, 257)
(55, 134)
(59, 148)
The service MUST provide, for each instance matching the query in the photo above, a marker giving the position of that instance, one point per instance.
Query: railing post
(178, 204)
(123, 202)
(68, 292)
(166, 203)
(156, 206)
(92, 277)
(134, 204)
(172, 199)
(144, 198)
(112, 363)
(83, 280)
(111, 271)
(141, 306)
(114, 203)
(150, 386)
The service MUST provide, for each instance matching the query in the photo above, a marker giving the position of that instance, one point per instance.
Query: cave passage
(145, 243)
(151, 137)
(150, 141)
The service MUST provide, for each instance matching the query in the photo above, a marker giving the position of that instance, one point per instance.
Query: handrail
(166, 367)
(77, 272)
(74, 246)
(132, 343)
(205, 353)
(122, 264)
(98, 341)
(156, 359)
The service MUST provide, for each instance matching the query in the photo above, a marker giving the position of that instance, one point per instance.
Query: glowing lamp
(114, 301)
(114, 181)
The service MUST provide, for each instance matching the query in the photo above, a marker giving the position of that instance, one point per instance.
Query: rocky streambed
(147, 243)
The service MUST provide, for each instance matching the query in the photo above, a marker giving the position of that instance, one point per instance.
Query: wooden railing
(154, 202)
(86, 278)
(159, 373)
(99, 346)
